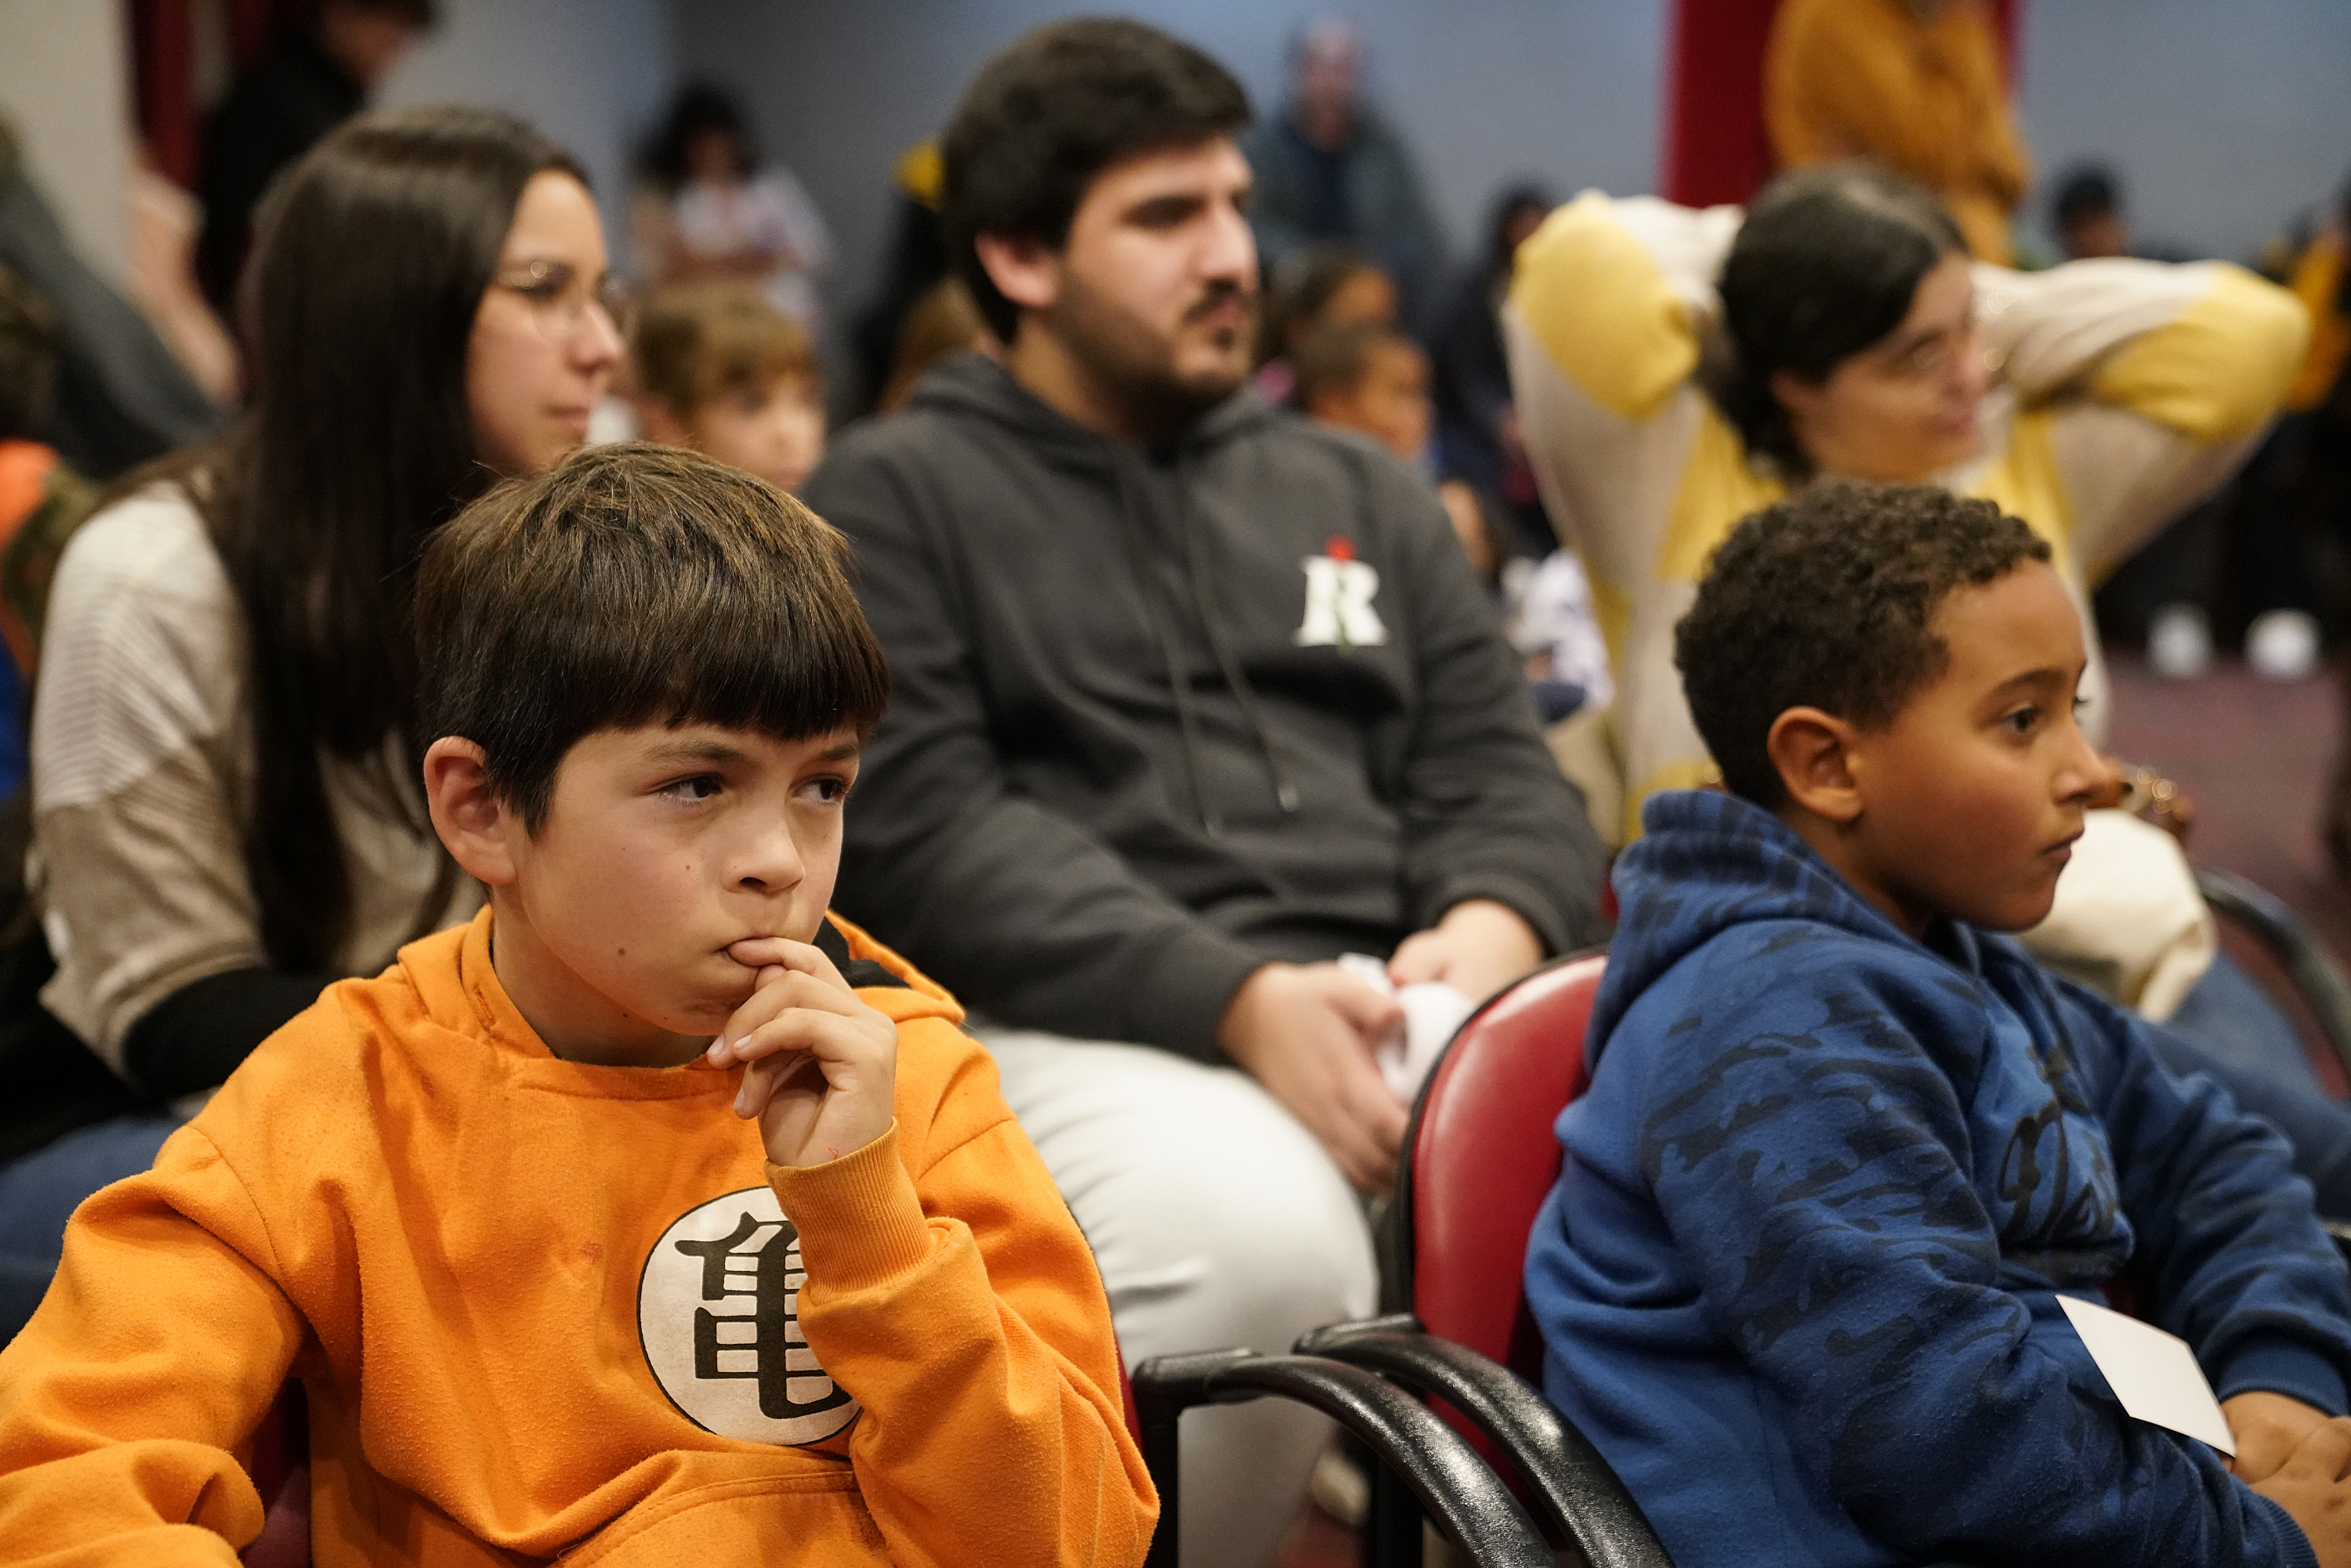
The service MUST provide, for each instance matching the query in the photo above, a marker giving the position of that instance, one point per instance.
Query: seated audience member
(1477, 425)
(316, 74)
(709, 210)
(1191, 699)
(1676, 369)
(720, 369)
(1369, 377)
(1912, 86)
(826, 1309)
(224, 809)
(1331, 168)
(943, 321)
(1846, 1146)
(1328, 286)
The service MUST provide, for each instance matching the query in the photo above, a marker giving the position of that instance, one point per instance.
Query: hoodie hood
(975, 386)
(1708, 861)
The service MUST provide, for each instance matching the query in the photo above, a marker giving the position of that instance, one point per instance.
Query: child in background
(1845, 1149)
(720, 369)
(654, 1216)
(1327, 285)
(1368, 376)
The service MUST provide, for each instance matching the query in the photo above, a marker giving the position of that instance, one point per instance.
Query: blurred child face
(662, 849)
(1904, 409)
(1972, 796)
(776, 432)
(1390, 402)
(543, 345)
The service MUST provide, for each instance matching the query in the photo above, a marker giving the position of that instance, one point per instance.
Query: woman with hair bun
(1676, 369)
(225, 808)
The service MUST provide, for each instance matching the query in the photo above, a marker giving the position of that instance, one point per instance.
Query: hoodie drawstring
(1285, 793)
(1187, 722)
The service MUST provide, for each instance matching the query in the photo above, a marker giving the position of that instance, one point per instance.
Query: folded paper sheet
(2153, 1374)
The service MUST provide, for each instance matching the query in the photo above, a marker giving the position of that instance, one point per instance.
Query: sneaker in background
(2180, 642)
(2282, 645)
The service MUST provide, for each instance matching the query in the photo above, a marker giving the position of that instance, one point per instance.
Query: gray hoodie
(1162, 717)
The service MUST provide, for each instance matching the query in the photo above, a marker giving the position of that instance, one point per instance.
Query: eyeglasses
(559, 299)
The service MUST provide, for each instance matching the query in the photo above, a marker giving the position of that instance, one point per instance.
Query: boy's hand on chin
(822, 1065)
(2268, 1428)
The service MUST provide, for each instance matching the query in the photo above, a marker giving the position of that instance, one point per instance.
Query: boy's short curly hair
(1827, 599)
(636, 584)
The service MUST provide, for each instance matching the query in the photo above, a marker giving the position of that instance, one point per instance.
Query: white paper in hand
(1432, 1012)
(2153, 1374)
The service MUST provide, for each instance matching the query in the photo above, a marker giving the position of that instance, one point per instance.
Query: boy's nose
(771, 866)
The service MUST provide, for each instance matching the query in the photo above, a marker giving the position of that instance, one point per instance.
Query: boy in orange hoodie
(653, 1217)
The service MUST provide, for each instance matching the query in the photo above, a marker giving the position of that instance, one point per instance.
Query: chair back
(1480, 1157)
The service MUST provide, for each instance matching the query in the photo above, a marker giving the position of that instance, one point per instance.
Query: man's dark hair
(28, 355)
(2088, 191)
(1826, 265)
(1043, 118)
(1827, 599)
(636, 584)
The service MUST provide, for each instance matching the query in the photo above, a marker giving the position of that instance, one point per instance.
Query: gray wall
(65, 84)
(2222, 116)
(1488, 90)
(587, 73)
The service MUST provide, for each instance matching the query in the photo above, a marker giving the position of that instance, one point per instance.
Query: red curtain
(1716, 149)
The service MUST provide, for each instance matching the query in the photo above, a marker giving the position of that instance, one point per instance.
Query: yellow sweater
(540, 1307)
(1869, 79)
(2127, 389)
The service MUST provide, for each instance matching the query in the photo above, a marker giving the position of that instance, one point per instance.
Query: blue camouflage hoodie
(1799, 1278)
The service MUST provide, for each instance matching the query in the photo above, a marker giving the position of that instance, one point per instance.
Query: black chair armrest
(1573, 1487)
(2318, 978)
(1468, 1501)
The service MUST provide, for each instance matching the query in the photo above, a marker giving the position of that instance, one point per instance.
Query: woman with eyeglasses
(226, 814)
(1675, 369)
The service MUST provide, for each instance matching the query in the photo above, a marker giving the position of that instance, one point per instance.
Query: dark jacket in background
(274, 113)
(1073, 813)
(1367, 194)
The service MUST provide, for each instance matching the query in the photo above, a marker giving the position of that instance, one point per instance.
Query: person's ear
(475, 827)
(658, 422)
(1024, 269)
(1813, 754)
(1799, 397)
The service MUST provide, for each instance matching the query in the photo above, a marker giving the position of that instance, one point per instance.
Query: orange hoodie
(542, 1307)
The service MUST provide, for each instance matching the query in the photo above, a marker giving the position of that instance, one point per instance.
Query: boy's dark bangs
(718, 652)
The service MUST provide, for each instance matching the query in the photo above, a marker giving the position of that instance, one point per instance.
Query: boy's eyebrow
(2033, 678)
(719, 751)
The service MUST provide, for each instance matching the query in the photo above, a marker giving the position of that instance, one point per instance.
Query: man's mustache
(1218, 295)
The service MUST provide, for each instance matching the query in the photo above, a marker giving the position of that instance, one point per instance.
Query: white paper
(2153, 1374)
(1432, 1012)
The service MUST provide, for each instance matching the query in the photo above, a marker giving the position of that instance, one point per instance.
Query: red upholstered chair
(1478, 1160)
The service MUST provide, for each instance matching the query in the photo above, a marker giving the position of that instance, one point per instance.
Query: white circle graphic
(718, 1313)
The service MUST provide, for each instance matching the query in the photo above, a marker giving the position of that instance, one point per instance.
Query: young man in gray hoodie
(1191, 699)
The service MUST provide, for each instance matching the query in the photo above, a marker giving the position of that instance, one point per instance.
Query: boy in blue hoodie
(1844, 1148)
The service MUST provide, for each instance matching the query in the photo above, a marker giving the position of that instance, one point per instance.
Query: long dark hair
(373, 258)
(1826, 265)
